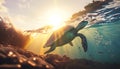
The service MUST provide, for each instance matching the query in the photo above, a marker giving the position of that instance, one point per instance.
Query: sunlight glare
(56, 18)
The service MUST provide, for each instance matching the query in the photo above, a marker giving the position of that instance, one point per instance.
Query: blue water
(103, 37)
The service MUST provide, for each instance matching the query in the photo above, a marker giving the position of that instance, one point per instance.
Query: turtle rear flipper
(84, 41)
(50, 50)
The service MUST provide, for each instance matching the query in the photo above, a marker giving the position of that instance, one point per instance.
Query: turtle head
(81, 25)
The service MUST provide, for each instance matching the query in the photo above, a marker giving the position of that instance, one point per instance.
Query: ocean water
(103, 38)
(103, 44)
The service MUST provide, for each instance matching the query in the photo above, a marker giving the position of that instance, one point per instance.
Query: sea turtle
(65, 35)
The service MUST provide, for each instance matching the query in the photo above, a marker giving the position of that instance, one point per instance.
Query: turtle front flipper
(81, 25)
(84, 41)
(51, 49)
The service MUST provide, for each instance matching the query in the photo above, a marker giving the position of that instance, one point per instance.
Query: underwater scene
(87, 40)
(102, 37)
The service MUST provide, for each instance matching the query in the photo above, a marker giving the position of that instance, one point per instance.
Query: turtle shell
(58, 34)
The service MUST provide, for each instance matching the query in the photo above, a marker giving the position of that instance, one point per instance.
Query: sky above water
(33, 14)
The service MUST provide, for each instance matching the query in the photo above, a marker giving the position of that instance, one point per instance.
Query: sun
(56, 18)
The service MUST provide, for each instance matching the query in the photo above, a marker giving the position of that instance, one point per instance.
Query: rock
(10, 66)
(16, 58)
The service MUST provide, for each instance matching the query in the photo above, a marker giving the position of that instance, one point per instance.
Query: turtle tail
(81, 25)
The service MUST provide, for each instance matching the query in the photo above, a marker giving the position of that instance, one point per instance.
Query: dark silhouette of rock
(10, 36)
(17, 58)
